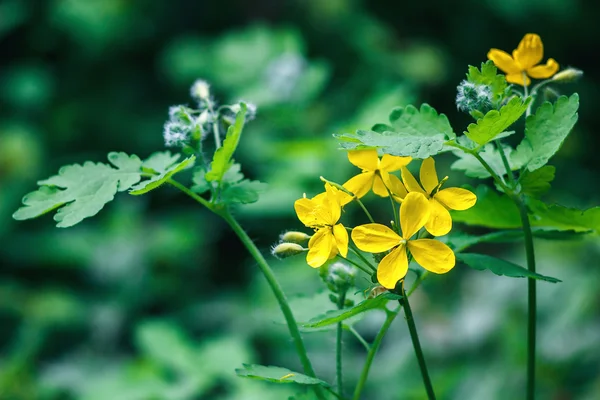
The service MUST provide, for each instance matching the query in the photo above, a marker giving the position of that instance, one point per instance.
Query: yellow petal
(320, 246)
(410, 182)
(375, 238)
(379, 187)
(543, 71)
(341, 239)
(439, 222)
(365, 159)
(428, 176)
(305, 210)
(414, 213)
(393, 267)
(529, 52)
(518, 79)
(360, 184)
(456, 198)
(432, 255)
(333, 202)
(503, 61)
(396, 186)
(393, 163)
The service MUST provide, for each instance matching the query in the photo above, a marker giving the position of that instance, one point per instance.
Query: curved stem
(531, 298)
(193, 195)
(357, 265)
(511, 177)
(359, 255)
(414, 336)
(489, 169)
(371, 355)
(360, 203)
(338, 347)
(359, 337)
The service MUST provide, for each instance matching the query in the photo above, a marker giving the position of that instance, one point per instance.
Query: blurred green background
(155, 299)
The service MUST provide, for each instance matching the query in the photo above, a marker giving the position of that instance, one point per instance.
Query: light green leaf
(537, 183)
(488, 76)
(495, 122)
(490, 153)
(162, 177)
(416, 133)
(546, 131)
(335, 316)
(563, 218)
(492, 210)
(277, 375)
(200, 185)
(160, 161)
(81, 191)
(245, 191)
(500, 267)
(222, 159)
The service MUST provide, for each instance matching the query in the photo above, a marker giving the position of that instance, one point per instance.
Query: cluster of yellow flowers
(423, 205)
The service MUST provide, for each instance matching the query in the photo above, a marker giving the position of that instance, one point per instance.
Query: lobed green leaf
(495, 122)
(500, 267)
(164, 175)
(546, 131)
(488, 75)
(277, 375)
(537, 183)
(491, 154)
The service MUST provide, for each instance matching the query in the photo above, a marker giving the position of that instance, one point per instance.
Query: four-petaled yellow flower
(431, 254)
(440, 201)
(375, 173)
(524, 61)
(322, 213)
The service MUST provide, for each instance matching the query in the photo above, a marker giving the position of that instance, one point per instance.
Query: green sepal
(500, 267)
(277, 375)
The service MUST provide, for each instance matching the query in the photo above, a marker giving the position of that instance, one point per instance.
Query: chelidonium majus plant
(420, 234)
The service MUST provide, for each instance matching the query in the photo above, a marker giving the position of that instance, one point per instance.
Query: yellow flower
(524, 60)
(440, 201)
(431, 254)
(322, 213)
(375, 173)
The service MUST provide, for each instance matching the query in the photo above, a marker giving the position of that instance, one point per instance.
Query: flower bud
(284, 250)
(294, 237)
(474, 97)
(568, 75)
(176, 133)
(200, 90)
(340, 277)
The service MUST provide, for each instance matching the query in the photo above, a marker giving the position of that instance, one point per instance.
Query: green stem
(511, 177)
(193, 195)
(526, 93)
(360, 203)
(215, 124)
(414, 336)
(359, 337)
(338, 347)
(359, 255)
(531, 298)
(371, 354)
(489, 169)
(357, 265)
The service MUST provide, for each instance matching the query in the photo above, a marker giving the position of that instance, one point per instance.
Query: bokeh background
(155, 299)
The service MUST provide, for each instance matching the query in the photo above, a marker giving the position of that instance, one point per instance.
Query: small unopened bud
(340, 277)
(294, 237)
(568, 75)
(284, 250)
(200, 90)
(473, 97)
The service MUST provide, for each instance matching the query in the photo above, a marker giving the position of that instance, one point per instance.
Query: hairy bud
(284, 250)
(473, 97)
(340, 277)
(294, 237)
(568, 75)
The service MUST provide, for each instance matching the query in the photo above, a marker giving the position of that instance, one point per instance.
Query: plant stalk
(338, 348)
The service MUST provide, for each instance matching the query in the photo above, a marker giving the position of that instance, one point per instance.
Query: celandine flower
(440, 201)
(322, 213)
(524, 61)
(375, 173)
(431, 254)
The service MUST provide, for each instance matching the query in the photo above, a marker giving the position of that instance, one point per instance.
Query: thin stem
(215, 124)
(526, 93)
(359, 255)
(360, 203)
(396, 218)
(414, 336)
(338, 347)
(489, 169)
(359, 337)
(531, 298)
(371, 355)
(357, 265)
(511, 177)
(193, 195)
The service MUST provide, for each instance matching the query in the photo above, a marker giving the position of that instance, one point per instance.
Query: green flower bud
(284, 250)
(568, 75)
(294, 237)
(340, 277)
(474, 97)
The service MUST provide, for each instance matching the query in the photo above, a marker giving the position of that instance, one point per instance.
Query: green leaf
(559, 217)
(81, 191)
(200, 185)
(537, 183)
(162, 177)
(277, 375)
(492, 210)
(160, 162)
(245, 191)
(500, 267)
(416, 133)
(546, 131)
(335, 316)
(490, 153)
(488, 76)
(495, 122)
(222, 159)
